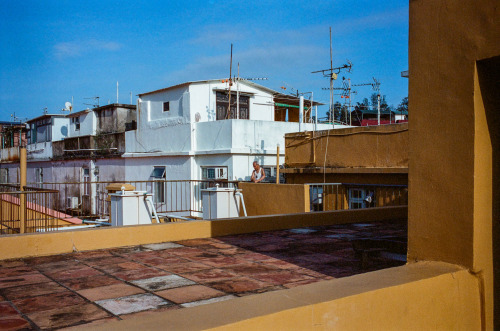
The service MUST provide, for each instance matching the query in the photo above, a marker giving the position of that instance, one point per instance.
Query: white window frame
(159, 185)
(219, 173)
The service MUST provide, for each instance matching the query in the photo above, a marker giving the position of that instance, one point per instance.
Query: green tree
(403, 106)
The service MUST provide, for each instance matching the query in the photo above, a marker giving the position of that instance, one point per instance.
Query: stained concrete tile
(23, 280)
(185, 251)
(92, 255)
(48, 259)
(180, 268)
(281, 277)
(239, 285)
(249, 269)
(14, 323)
(222, 261)
(16, 271)
(189, 293)
(195, 242)
(109, 292)
(120, 267)
(161, 246)
(210, 275)
(162, 283)
(47, 302)
(12, 263)
(140, 274)
(77, 284)
(254, 256)
(7, 310)
(32, 290)
(67, 316)
(302, 231)
(104, 261)
(132, 303)
(149, 312)
(77, 272)
(207, 301)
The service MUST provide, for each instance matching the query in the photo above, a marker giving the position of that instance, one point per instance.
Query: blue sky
(53, 50)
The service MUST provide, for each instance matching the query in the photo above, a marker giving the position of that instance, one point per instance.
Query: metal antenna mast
(93, 105)
(230, 83)
(376, 87)
(332, 74)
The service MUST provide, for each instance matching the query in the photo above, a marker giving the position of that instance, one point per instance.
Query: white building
(185, 131)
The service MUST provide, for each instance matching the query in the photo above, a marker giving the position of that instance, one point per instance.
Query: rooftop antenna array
(376, 87)
(95, 104)
(332, 74)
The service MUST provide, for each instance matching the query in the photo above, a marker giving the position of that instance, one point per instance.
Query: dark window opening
(222, 99)
(166, 106)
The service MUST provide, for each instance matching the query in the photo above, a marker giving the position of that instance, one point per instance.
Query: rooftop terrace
(107, 285)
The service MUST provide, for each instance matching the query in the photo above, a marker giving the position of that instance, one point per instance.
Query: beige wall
(376, 146)
(271, 199)
(451, 155)
(358, 178)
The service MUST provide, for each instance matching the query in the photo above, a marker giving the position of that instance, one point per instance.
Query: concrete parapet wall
(272, 199)
(374, 146)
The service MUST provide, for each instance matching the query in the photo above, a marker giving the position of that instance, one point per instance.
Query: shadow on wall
(489, 81)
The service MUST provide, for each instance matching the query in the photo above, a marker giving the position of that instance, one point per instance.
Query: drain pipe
(236, 193)
(152, 207)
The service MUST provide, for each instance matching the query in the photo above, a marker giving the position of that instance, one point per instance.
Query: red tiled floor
(200, 272)
(189, 293)
(47, 302)
(32, 290)
(181, 268)
(67, 316)
(16, 271)
(89, 282)
(210, 275)
(239, 285)
(6, 310)
(281, 277)
(14, 323)
(140, 274)
(109, 292)
(77, 272)
(23, 280)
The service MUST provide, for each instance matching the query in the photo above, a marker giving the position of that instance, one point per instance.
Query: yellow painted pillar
(22, 183)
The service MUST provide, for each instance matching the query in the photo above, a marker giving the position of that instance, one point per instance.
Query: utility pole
(117, 91)
(238, 93)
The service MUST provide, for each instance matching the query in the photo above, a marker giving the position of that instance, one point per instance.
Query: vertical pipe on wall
(301, 112)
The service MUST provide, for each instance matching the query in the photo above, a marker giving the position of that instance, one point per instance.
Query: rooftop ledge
(353, 170)
(422, 295)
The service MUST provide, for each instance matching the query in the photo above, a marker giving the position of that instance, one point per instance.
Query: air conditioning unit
(221, 173)
(72, 202)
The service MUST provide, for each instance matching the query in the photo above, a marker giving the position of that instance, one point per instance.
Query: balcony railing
(340, 196)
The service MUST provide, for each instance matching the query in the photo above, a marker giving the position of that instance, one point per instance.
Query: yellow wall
(452, 132)
(271, 199)
(377, 146)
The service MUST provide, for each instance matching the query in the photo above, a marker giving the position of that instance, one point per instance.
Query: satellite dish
(67, 105)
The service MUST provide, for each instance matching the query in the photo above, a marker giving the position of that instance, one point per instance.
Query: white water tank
(220, 202)
(130, 208)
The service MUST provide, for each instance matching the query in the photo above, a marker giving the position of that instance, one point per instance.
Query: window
(86, 181)
(77, 123)
(158, 176)
(360, 198)
(222, 99)
(214, 173)
(4, 175)
(166, 106)
(39, 175)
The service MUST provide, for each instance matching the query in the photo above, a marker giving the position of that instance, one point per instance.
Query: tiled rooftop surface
(98, 286)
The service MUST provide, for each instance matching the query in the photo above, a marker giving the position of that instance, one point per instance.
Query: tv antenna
(332, 74)
(95, 104)
(228, 115)
(376, 87)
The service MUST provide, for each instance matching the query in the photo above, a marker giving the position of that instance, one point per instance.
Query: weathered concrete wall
(271, 199)
(452, 135)
(377, 146)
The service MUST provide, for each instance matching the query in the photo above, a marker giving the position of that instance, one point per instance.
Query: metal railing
(340, 196)
(90, 200)
(29, 210)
